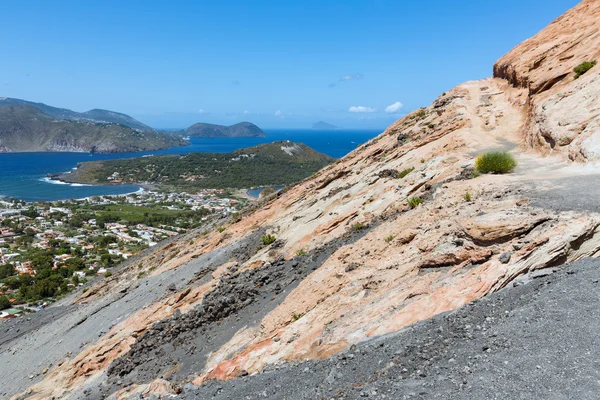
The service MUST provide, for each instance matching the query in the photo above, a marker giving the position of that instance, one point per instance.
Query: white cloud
(246, 112)
(361, 109)
(394, 108)
(351, 77)
(201, 111)
(279, 114)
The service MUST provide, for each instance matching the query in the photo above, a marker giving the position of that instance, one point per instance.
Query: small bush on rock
(405, 172)
(495, 162)
(358, 226)
(583, 68)
(414, 202)
(267, 239)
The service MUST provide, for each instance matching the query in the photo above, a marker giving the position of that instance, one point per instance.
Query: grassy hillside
(25, 128)
(277, 163)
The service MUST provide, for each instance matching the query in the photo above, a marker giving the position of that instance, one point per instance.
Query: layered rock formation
(353, 259)
(563, 111)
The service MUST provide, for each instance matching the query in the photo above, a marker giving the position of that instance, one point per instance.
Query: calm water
(22, 175)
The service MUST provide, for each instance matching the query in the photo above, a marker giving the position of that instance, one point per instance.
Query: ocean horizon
(24, 175)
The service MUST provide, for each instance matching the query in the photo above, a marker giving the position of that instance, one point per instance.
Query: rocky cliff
(356, 256)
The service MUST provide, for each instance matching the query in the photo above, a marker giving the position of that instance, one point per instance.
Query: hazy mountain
(25, 128)
(96, 115)
(242, 129)
(323, 126)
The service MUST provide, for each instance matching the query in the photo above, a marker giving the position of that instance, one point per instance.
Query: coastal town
(48, 249)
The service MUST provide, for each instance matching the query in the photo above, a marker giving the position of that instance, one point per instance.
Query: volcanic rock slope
(352, 260)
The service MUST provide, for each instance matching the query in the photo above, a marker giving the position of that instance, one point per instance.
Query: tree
(31, 212)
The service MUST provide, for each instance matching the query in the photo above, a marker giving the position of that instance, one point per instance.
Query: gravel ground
(538, 340)
(580, 193)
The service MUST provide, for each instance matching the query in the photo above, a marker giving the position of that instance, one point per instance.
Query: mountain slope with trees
(278, 163)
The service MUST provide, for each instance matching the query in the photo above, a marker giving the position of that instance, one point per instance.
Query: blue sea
(23, 175)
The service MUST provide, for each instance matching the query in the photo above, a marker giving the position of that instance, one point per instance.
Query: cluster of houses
(49, 225)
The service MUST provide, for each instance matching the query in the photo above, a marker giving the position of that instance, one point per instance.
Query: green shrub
(431, 125)
(268, 239)
(583, 68)
(495, 162)
(108, 274)
(407, 171)
(389, 238)
(413, 202)
(300, 252)
(358, 226)
(467, 196)
(221, 229)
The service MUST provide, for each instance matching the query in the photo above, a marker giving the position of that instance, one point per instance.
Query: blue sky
(276, 63)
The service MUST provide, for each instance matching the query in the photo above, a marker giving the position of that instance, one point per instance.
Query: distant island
(25, 128)
(277, 163)
(324, 126)
(203, 130)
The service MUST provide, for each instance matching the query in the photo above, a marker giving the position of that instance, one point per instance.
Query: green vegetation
(221, 229)
(152, 215)
(300, 252)
(422, 113)
(495, 162)
(4, 302)
(268, 239)
(279, 163)
(583, 68)
(389, 238)
(405, 172)
(108, 274)
(467, 196)
(296, 316)
(414, 202)
(358, 226)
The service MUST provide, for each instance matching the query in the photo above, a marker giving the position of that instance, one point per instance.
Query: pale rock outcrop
(563, 111)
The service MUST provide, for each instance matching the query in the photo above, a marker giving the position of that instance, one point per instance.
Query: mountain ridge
(95, 115)
(25, 128)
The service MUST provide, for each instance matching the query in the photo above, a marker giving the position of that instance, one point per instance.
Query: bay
(23, 175)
